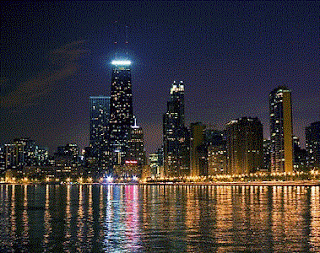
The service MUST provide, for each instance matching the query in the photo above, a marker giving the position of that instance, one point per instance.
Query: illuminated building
(217, 152)
(67, 156)
(299, 156)
(121, 111)
(244, 146)
(175, 135)
(281, 130)
(266, 155)
(99, 119)
(136, 155)
(313, 145)
(198, 150)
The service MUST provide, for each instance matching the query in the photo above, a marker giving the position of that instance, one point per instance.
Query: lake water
(159, 218)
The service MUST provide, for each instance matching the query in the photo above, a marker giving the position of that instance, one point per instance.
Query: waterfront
(159, 218)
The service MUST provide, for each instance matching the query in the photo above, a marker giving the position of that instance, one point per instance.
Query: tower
(175, 134)
(121, 111)
(244, 146)
(99, 120)
(281, 130)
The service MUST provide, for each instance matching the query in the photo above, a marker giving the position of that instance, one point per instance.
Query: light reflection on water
(159, 218)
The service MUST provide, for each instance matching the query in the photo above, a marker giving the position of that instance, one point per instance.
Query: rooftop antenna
(126, 41)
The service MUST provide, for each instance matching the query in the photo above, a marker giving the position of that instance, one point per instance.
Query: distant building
(198, 150)
(121, 111)
(313, 145)
(244, 146)
(281, 130)
(96, 154)
(217, 152)
(176, 145)
(266, 155)
(136, 155)
(299, 156)
(67, 156)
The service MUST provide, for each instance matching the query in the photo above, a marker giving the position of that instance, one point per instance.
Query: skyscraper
(313, 145)
(281, 130)
(99, 120)
(198, 150)
(121, 110)
(175, 134)
(244, 146)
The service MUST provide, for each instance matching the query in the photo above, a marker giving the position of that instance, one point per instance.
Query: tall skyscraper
(175, 134)
(244, 146)
(99, 120)
(281, 130)
(121, 110)
(313, 145)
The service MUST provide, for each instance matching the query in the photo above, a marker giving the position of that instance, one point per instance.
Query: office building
(136, 155)
(281, 130)
(198, 150)
(313, 145)
(99, 139)
(244, 146)
(175, 135)
(217, 152)
(121, 111)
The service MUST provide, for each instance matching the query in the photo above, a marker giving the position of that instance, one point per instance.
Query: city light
(121, 62)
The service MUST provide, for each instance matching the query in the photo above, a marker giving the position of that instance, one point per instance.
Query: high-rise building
(266, 155)
(99, 120)
(136, 155)
(121, 111)
(281, 130)
(313, 145)
(198, 150)
(217, 157)
(175, 135)
(299, 156)
(244, 146)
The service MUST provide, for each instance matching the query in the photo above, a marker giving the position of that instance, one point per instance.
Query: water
(159, 218)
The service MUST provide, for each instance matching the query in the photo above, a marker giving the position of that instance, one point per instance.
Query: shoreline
(233, 183)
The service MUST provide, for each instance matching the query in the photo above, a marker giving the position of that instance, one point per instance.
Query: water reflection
(159, 218)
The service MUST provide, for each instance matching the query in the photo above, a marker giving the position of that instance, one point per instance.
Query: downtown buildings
(116, 142)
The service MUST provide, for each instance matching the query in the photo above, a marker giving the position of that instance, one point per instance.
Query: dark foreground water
(159, 218)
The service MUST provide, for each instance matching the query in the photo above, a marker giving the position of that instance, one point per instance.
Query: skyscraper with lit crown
(175, 134)
(281, 130)
(121, 110)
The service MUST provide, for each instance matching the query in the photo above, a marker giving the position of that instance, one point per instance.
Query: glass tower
(281, 130)
(99, 119)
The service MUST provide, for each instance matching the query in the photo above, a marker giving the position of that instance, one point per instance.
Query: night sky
(230, 55)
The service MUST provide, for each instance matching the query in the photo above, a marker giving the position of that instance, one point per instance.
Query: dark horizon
(230, 55)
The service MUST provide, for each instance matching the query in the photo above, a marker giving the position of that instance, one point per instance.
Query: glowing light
(120, 62)
(109, 179)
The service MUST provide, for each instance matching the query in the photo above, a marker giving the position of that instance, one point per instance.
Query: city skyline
(48, 77)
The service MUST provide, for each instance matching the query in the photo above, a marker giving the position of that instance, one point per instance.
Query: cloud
(64, 63)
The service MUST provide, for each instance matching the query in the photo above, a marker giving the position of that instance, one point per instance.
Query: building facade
(99, 137)
(121, 111)
(244, 146)
(175, 135)
(198, 150)
(313, 145)
(281, 130)
(217, 152)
